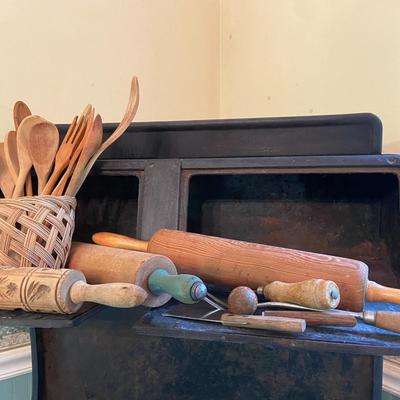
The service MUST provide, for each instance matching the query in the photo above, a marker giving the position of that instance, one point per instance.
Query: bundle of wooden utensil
(60, 169)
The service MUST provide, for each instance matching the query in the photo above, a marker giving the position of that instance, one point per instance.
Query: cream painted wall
(59, 55)
(202, 59)
(307, 57)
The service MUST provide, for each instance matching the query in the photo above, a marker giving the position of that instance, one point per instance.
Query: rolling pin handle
(119, 241)
(188, 289)
(376, 292)
(121, 295)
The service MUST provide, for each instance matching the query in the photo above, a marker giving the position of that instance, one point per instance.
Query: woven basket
(36, 231)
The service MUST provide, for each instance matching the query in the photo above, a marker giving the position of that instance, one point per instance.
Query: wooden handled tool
(313, 318)
(314, 293)
(154, 273)
(388, 320)
(60, 291)
(279, 324)
(233, 263)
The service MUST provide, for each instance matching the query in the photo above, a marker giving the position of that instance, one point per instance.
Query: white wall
(59, 55)
(202, 59)
(307, 57)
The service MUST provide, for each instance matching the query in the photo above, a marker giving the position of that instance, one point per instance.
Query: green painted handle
(188, 289)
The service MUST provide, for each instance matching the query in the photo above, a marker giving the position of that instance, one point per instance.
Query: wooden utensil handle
(314, 293)
(314, 318)
(119, 241)
(19, 187)
(122, 295)
(52, 181)
(279, 324)
(376, 292)
(388, 320)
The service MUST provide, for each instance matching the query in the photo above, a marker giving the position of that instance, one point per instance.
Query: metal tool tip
(198, 291)
(335, 293)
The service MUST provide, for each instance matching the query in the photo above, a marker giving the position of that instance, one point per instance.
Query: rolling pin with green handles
(156, 274)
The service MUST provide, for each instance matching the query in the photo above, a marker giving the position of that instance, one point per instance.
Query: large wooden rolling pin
(235, 263)
(156, 274)
(60, 291)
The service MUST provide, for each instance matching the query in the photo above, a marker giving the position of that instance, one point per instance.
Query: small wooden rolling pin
(156, 274)
(60, 291)
(233, 263)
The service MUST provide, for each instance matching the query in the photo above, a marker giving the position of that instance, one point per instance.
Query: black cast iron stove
(311, 183)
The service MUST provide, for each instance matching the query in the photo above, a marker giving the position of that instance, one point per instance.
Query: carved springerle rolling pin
(60, 291)
(233, 263)
(314, 293)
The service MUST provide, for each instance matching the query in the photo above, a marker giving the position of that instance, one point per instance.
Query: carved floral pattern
(36, 290)
(3, 287)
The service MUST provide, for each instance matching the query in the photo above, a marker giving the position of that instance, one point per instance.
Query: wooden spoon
(24, 157)
(21, 111)
(6, 180)
(130, 113)
(11, 154)
(43, 145)
(92, 142)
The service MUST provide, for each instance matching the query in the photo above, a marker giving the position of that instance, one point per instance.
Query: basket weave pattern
(36, 231)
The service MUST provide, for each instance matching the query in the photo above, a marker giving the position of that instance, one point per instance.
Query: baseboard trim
(391, 375)
(15, 362)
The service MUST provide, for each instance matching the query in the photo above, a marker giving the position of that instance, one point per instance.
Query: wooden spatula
(92, 142)
(68, 146)
(6, 181)
(78, 137)
(24, 157)
(43, 145)
(130, 113)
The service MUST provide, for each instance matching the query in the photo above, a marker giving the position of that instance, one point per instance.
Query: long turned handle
(313, 318)
(122, 295)
(119, 241)
(280, 324)
(376, 292)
